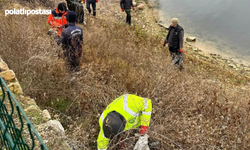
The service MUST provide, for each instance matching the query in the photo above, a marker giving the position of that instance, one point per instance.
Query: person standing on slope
(78, 7)
(126, 6)
(174, 39)
(72, 40)
(93, 3)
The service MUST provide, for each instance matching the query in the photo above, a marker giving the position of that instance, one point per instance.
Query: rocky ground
(50, 130)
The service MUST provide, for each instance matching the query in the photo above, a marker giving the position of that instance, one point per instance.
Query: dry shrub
(192, 109)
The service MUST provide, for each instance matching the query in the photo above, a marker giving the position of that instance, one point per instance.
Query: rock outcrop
(51, 131)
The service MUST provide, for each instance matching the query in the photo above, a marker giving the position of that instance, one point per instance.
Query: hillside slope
(205, 106)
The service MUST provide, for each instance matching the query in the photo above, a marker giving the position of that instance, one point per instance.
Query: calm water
(221, 26)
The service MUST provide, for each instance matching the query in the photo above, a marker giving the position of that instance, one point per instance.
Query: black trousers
(93, 7)
(128, 19)
(78, 9)
(173, 52)
(72, 60)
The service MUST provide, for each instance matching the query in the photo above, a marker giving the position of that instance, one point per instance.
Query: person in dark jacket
(72, 40)
(174, 40)
(126, 5)
(93, 3)
(77, 7)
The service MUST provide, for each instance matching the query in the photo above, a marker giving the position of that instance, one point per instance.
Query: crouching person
(57, 19)
(72, 40)
(124, 113)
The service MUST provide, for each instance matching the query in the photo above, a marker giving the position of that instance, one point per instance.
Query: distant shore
(228, 52)
(153, 9)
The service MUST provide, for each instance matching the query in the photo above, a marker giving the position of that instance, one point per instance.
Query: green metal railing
(16, 131)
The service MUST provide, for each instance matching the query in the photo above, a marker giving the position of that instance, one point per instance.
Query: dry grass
(203, 107)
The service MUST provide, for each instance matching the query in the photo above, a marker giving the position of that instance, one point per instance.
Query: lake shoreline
(152, 8)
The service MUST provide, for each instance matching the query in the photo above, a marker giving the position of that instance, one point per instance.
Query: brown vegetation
(205, 106)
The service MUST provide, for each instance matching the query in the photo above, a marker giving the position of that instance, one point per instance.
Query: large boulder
(134, 3)
(53, 135)
(46, 115)
(57, 126)
(16, 88)
(3, 66)
(191, 39)
(141, 6)
(8, 75)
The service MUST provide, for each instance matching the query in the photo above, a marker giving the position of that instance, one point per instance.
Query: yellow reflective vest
(136, 111)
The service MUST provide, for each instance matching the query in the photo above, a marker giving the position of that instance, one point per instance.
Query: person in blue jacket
(72, 40)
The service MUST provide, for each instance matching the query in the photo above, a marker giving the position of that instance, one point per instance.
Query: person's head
(62, 7)
(113, 124)
(71, 16)
(174, 22)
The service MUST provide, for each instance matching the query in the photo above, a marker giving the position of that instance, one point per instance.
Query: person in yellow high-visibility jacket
(126, 112)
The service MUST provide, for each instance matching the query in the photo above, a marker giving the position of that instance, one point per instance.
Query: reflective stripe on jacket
(136, 111)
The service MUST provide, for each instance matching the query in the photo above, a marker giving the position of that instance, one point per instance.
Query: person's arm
(121, 4)
(63, 40)
(50, 19)
(102, 142)
(81, 38)
(146, 116)
(181, 37)
(166, 39)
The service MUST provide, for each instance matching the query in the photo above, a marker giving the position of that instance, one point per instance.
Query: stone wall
(51, 131)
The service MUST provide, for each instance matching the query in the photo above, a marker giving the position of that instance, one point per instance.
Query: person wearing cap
(72, 40)
(93, 3)
(174, 39)
(126, 5)
(57, 19)
(77, 7)
(124, 113)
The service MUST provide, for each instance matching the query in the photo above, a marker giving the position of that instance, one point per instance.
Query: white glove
(142, 143)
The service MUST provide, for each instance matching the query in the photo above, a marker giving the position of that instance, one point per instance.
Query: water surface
(221, 26)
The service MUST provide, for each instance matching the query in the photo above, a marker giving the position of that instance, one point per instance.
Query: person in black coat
(174, 39)
(126, 5)
(77, 7)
